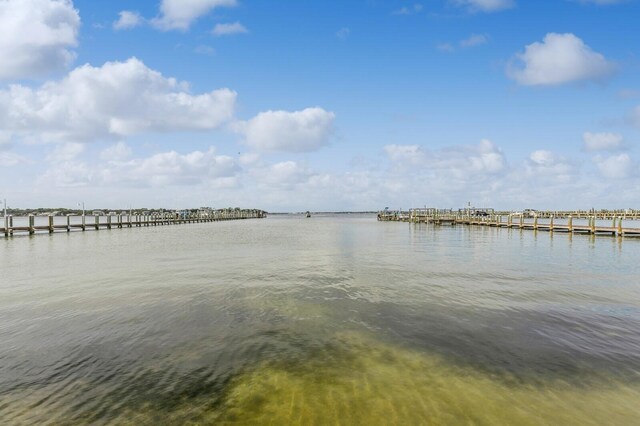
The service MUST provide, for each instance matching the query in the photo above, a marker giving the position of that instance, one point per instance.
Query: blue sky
(307, 105)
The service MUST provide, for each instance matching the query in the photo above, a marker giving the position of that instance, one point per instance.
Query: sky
(295, 105)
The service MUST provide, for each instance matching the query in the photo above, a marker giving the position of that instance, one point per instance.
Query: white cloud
(128, 20)
(474, 40)
(412, 155)
(159, 170)
(229, 29)
(67, 174)
(543, 164)
(5, 140)
(460, 162)
(485, 5)
(559, 59)
(298, 131)
(172, 168)
(285, 174)
(602, 141)
(65, 152)
(615, 166)
(10, 159)
(117, 152)
(180, 14)
(36, 37)
(115, 100)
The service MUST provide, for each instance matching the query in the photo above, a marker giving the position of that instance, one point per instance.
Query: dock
(30, 225)
(609, 222)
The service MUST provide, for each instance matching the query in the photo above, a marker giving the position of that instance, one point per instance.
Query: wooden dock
(97, 222)
(620, 225)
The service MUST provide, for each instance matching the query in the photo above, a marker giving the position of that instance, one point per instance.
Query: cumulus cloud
(172, 168)
(229, 29)
(559, 59)
(65, 152)
(412, 155)
(10, 159)
(614, 167)
(485, 5)
(67, 174)
(159, 170)
(299, 131)
(548, 165)
(36, 37)
(180, 14)
(460, 162)
(115, 100)
(286, 174)
(127, 20)
(602, 141)
(117, 152)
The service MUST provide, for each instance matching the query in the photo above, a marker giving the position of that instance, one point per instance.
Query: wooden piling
(620, 232)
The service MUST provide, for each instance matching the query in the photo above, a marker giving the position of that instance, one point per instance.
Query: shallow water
(336, 319)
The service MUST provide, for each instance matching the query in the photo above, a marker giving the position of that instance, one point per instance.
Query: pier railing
(32, 224)
(611, 222)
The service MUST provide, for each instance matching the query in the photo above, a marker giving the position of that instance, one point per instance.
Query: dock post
(68, 223)
(570, 223)
(84, 222)
(97, 222)
(614, 226)
(509, 221)
(6, 226)
(51, 224)
(521, 221)
(10, 224)
(620, 232)
(535, 223)
(32, 221)
(109, 222)
(593, 224)
(551, 224)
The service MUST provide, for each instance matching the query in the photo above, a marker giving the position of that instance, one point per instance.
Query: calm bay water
(335, 319)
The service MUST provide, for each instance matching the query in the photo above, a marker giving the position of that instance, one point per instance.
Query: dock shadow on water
(427, 328)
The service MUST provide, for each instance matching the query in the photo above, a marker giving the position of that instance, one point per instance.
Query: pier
(30, 225)
(609, 222)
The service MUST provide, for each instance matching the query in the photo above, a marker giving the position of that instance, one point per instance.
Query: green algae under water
(359, 380)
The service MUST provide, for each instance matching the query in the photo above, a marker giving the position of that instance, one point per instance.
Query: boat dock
(614, 223)
(30, 225)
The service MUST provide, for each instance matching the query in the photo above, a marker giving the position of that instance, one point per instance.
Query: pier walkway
(31, 224)
(605, 223)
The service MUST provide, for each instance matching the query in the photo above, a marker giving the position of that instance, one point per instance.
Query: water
(336, 319)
